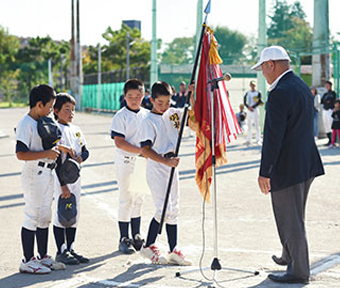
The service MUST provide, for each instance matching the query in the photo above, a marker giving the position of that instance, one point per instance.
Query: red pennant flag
(225, 122)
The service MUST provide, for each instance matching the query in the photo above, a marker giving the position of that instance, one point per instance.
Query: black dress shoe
(285, 278)
(279, 261)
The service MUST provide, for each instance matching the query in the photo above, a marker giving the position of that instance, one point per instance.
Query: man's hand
(66, 193)
(251, 109)
(264, 184)
(172, 162)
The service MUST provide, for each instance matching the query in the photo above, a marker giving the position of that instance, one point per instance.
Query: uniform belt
(47, 165)
(169, 155)
(129, 157)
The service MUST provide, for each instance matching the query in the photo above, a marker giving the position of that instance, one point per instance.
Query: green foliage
(179, 51)
(115, 51)
(289, 28)
(231, 44)
(9, 46)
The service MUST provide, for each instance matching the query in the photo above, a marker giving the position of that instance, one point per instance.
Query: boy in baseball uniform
(125, 130)
(37, 179)
(72, 136)
(159, 133)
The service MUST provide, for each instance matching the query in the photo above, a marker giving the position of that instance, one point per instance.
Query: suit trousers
(289, 206)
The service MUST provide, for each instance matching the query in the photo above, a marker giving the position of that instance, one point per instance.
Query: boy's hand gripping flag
(225, 122)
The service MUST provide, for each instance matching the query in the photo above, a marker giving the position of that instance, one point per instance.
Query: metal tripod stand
(215, 265)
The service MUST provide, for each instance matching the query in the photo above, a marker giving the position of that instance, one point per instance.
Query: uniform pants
(289, 207)
(158, 177)
(38, 186)
(253, 118)
(130, 202)
(327, 120)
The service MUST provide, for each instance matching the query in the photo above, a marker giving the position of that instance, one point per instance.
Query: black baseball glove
(69, 171)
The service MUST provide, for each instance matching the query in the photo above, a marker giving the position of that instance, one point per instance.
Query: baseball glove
(49, 132)
(69, 171)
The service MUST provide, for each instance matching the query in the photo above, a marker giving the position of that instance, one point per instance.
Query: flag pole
(183, 122)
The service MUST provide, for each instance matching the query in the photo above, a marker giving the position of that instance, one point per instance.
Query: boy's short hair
(160, 88)
(133, 84)
(41, 92)
(61, 99)
(329, 82)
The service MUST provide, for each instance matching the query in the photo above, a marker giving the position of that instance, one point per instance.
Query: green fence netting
(109, 96)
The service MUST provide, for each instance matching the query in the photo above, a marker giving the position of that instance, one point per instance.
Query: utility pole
(127, 55)
(199, 21)
(73, 75)
(321, 62)
(153, 68)
(61, 72)
(261, 44)
(99, 75)
(79, 63)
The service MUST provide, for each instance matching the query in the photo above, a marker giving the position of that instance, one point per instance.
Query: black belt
(169, 155)
(47, 165)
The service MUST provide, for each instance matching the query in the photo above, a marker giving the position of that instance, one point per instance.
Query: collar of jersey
(134, 111)
(156, 113)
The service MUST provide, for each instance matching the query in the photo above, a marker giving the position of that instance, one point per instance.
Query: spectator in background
(328, 104)
(336, 122)
(241, 116)
(317, 107)
(179, 99)
(122, 101)
(252, 100)
(173, 96)
(146, 103)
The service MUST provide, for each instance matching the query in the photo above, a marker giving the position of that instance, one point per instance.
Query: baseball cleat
(48, 262)
(152, 253)
(138, 242)
(66, 258)
(125, 246)
(176, 257)
(79, 257)
(33, 267)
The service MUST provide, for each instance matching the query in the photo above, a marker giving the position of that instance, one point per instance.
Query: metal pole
(127, 55)
(79, 62)
(153, 66)
(61, 72)
(99, 75)
(261, 44)
(73, 53)
(50, 76)
(183, 122)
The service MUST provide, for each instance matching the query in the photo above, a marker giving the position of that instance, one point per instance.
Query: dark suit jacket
(289, 153)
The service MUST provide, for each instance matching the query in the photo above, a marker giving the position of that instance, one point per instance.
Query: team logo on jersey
(174, 118)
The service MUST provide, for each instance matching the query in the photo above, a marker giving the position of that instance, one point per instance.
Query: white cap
(271, 53)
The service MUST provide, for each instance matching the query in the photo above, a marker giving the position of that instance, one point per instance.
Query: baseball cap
(271, 53)
(67, 210)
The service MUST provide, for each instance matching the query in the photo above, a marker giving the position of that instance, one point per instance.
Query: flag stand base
(215, 265)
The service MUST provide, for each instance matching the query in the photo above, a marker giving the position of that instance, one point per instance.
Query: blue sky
(175, 17)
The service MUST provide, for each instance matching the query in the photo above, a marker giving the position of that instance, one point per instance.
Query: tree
(9, 46)
(289, 28)
(32, 61)
(115, 51)
(179, 51)
(231, 44)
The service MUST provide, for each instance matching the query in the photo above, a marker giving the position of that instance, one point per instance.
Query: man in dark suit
(290, 160)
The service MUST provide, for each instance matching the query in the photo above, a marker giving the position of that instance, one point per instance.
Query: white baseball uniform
(73, 137)
(161, 132)
(251, 98)
(37, 181)
(126, 123)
